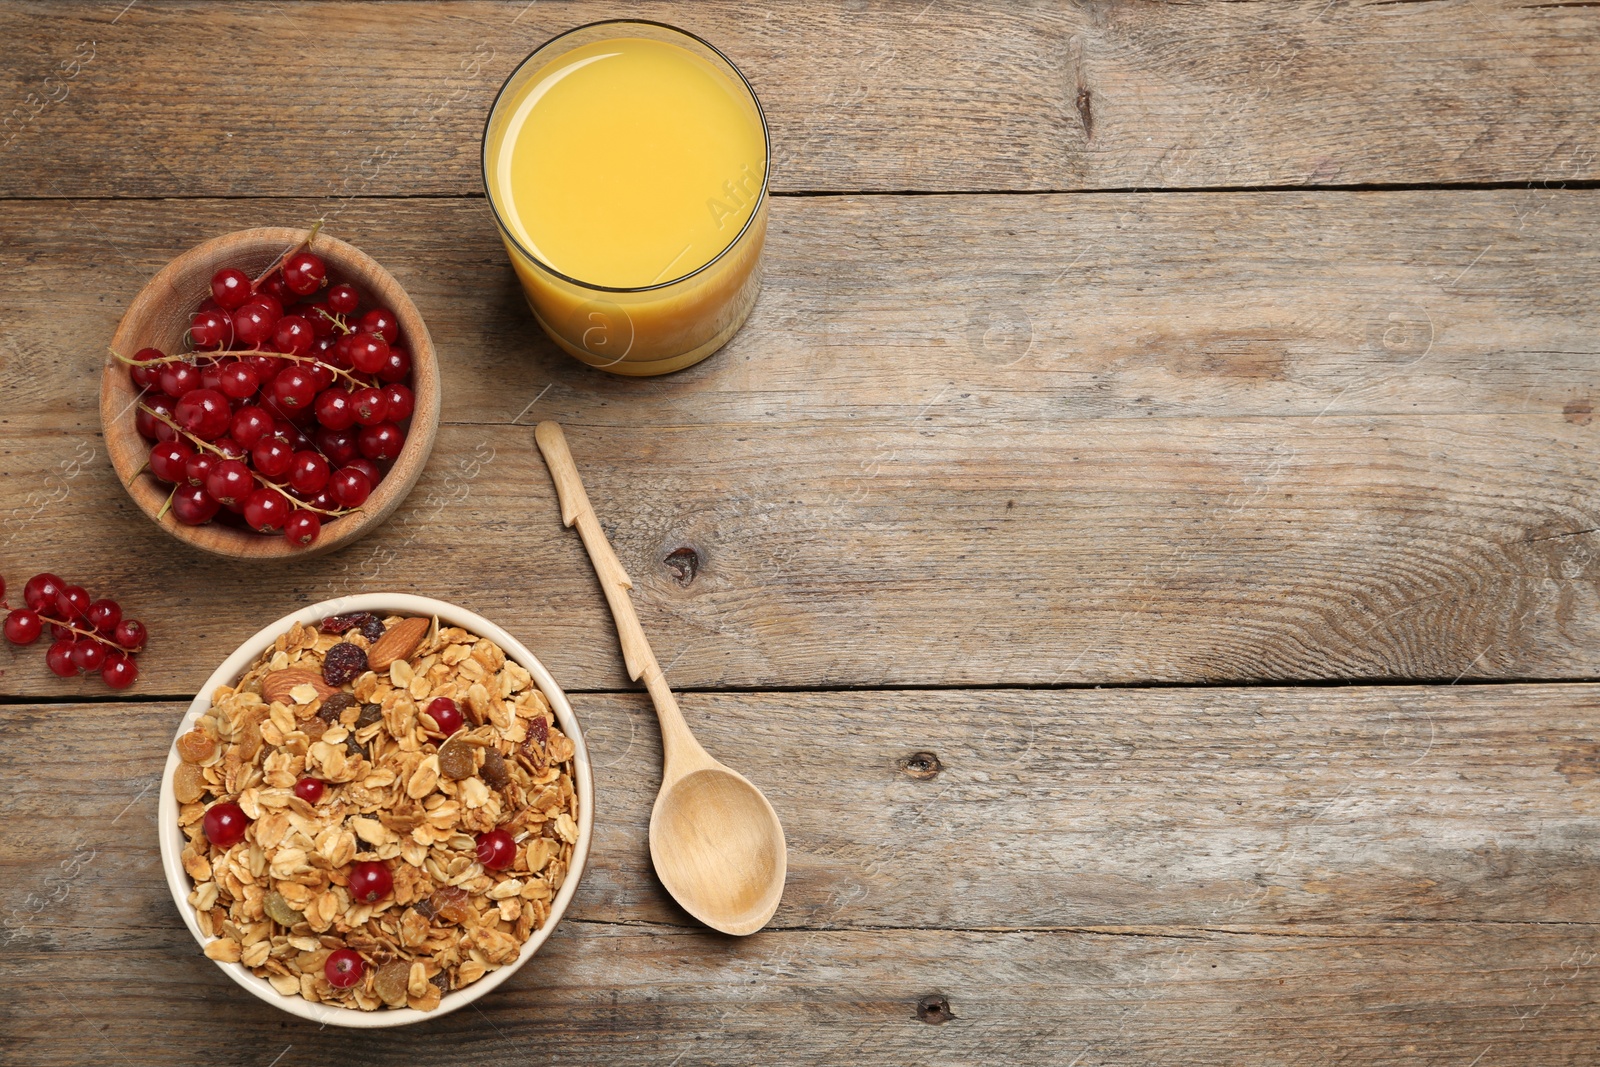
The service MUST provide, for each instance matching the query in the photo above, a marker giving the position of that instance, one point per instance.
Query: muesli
(380, 811)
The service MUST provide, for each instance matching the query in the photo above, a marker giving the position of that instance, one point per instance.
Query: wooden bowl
(159, 318)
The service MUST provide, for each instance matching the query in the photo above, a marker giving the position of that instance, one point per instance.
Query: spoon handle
(614, 581)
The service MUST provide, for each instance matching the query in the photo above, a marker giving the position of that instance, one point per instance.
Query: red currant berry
(381, 321)
(59, 658)
(251, 424)
(324, 500)
(176, 379)
(211, 329)
(343, 299)
(150, 424)
(230, 287)
(368, 352)
(382, 442)
(273, 286)
(104, 616)
(344, 968)
(23, 627)
(197, 468)
(225, 824)
(266, 511)
(370, 882)
(230, 482)
(130, 635)
(304, 273)
(340, 446)
(73, 603)
(497, 849)
(397, 366)
(193, 506)
(309, 789)
(88, 654)
(229, 448)
(334, 409)
(254, 323)
(401, 402)
(308, 473)
(371, 406)
(367, 467)
(446, 713)
(210, 374)
(294, 388)
(302, 527)
(293, 334)
(168, 459)
(239, 380)
(146, 377)
(350, 487)
(204, 413)
(41, 591)
(119, 670)
(266, 367)
(272, 456)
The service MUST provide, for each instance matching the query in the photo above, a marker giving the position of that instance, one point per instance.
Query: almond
(398, 642)
(279, 685)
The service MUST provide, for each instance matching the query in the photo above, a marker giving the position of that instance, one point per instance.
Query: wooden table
(1143, 540)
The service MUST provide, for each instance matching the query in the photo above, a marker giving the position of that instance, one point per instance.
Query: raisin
(494, 769)
(278, 910)
(354, 747)
(391, 981)
(344, 663)
(371, 627)
(370, 713)
(334, 706)
(450, 904)
(442, 980)
(455, 759)
(338, 624)
(424, 908)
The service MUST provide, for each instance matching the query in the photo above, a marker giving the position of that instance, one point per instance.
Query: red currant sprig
(89, 635)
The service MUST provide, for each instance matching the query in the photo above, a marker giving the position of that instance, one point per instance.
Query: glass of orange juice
(626, 164)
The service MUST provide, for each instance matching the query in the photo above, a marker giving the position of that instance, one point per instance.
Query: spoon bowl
(719, 849)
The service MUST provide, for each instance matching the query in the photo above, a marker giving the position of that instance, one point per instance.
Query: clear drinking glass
(659, 325)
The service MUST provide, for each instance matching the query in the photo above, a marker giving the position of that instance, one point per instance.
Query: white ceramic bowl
(172, 839)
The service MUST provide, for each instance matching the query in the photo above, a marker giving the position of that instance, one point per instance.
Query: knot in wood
(684, 562)
(921, 765)
(934, 1009)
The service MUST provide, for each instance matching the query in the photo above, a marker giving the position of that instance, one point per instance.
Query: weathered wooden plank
(349, 99)
(1032, 311)
(1369, 995)
(897, 475)
(979, 809)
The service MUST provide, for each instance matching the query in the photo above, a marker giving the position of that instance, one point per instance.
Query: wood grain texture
(1349, 436)
(953, 95)
(978, 810)
(1392, 995)
(1144, 876)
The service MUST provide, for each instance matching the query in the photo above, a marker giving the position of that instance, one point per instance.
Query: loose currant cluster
(289, 409)
(89, 635)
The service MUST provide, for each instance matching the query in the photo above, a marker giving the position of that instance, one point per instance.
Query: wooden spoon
(717, 844)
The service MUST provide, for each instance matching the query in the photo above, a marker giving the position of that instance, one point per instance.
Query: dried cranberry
(370, 626)
(344, 663)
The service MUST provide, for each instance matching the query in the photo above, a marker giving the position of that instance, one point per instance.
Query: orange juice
(626, 164)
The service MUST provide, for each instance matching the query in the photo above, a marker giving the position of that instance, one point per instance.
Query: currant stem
(310, 236)
(167, 505)
(191, 356)
(293, 500)
(86, 633)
